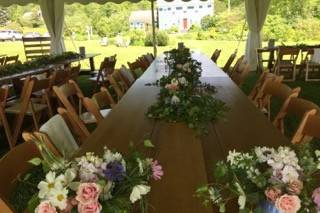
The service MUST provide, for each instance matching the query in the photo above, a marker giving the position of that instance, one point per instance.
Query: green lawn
(132, 52)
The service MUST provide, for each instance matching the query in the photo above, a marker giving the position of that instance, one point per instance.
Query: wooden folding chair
(74, 72)
(106, 68)
(286, 62)
(274, 89)
(126, 76)
(103, 99)
(135, 68)
(308, 129)
(269, 59)
(13, 165)
(2, 60)
(239, 74)
(4, 91)
(297, 107)
(215, 55)
(261, 82)
(310, 69)
(114, 80)
(75, 124)
(11, 59)
(229, 62)
(60, 77)
(144, 63)
(149, 57)
(5, 206)
(26, 106)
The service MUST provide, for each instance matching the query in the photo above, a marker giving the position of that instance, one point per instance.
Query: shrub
(173, 29)
(137, 37)
(209, 22)
(162, 39)
(194, 28)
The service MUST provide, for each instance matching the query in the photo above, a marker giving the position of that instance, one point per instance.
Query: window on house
(160, 9)
(169, 8)
(178, 8)
(190, 7)
(209, 5)
(200, 6)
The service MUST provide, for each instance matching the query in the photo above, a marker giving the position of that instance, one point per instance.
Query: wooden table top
(187, 160)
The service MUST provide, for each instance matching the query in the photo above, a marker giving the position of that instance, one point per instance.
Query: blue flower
(114, 171)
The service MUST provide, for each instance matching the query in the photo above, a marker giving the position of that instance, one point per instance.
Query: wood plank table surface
(187, 160)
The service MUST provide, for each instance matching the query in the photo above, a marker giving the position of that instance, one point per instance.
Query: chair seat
(88, 117)
(16, 108)
(286, 64)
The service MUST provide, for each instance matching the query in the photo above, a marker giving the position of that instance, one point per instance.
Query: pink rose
(295, 187)
(316, 196)
(88, 193)
(272, 193)
(172, 87)
(93, 207)
(157, 171)
(45, 207)
(288, 203)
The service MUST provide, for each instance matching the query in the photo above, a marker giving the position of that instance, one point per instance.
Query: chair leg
(6, 127)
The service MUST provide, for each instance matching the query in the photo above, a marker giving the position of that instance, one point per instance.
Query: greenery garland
(43, 61)
(182, 97)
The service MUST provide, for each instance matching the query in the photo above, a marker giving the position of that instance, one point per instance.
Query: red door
(185, 23)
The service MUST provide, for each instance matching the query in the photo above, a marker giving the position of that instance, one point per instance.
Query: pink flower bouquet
(282, 178)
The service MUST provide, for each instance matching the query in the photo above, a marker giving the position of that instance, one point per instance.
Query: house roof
(141, 16)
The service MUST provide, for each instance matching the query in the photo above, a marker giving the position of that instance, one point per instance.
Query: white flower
(175, 99)
(88, 172)
(186, 66)
(289, 174)
(138, 191)
(263, 153)
(69, 176)
(232, 156)
(174, 82)
(140, 164)
(183, 81)
(242, 201)
(59, 197)
(52, 182)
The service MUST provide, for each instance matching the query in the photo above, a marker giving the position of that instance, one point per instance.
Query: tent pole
(153, 29)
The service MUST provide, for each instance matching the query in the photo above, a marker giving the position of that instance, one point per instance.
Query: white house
(141, 19)
(183, 14)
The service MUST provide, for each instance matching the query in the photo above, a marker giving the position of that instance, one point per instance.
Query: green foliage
(43, 61)
(4, 17)
(209, 22)
(162, 39)
(137, 37)
(182, 97)
(173, 29)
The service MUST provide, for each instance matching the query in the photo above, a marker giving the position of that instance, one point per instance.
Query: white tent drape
(53, 15)
(256, 13)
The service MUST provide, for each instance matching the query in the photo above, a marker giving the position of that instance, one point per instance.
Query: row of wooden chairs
(269, 86)
(34, 100)
(285, 62)
(4, 60)
(70, 130)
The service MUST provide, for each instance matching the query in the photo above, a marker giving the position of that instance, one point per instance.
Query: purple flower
(114, 171)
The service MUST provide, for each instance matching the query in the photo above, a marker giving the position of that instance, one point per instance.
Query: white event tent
(53, 15)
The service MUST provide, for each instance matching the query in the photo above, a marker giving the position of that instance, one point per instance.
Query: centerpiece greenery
(182, 97)
(110, 182)
(43, 61)
(267, 180)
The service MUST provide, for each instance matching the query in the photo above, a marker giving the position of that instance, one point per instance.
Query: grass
(132, 52)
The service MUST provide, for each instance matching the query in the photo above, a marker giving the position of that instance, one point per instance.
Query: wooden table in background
(187, 160)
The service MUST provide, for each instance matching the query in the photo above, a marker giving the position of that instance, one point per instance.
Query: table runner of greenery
(43, 61)
(183, 97)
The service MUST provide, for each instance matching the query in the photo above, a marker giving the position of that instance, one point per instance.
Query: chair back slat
(229, 62)
(15, 163)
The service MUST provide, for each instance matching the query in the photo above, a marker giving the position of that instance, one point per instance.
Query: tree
(4, 17)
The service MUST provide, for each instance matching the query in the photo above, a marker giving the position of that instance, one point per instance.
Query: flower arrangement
(42, 61)
(266, 178)
(182, 97)
(93, 184)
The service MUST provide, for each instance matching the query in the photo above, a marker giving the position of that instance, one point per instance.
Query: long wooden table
(187, 160)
